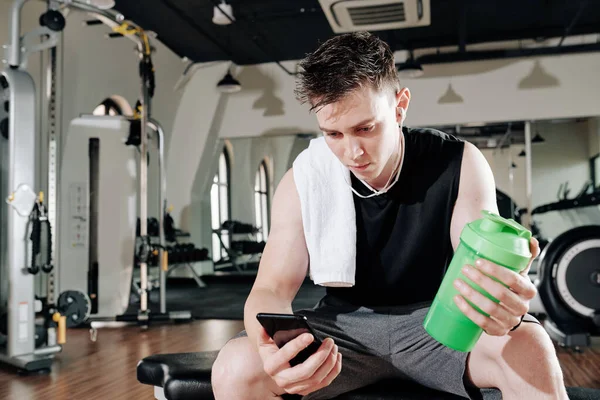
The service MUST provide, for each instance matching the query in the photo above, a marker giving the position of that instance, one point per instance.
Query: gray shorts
(386, 342)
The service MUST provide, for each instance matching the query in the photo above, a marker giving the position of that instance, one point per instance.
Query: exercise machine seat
(181, 375)
(186, 376)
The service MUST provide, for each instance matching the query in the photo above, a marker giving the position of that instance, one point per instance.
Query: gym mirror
(249, 170)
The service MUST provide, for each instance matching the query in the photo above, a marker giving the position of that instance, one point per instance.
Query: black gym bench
(186, 376)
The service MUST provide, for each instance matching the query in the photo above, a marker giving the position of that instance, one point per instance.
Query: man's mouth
(359, 167)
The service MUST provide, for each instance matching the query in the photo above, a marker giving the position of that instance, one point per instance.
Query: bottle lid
(498, 239)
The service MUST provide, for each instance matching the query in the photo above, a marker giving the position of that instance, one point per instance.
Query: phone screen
(281, 337)
(283, 327)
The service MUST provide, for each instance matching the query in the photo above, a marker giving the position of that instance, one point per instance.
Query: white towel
(328, 215)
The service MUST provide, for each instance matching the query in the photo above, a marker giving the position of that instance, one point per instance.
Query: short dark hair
(342, 64)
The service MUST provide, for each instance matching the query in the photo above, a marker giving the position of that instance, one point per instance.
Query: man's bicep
(284, 262)
(477, 191)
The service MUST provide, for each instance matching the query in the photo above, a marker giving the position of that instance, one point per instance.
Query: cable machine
(33, 321)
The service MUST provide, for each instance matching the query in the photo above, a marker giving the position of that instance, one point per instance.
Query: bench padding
(186, 376)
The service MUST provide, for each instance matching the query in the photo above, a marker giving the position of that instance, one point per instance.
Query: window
(219, 205)
(108, 107)
(595, 170)
(114, 105)
(261, 201)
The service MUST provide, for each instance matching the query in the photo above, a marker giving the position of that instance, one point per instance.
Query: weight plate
(577, 278)
(75, 305)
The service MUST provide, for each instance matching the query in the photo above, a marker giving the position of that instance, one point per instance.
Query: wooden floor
(106, 369)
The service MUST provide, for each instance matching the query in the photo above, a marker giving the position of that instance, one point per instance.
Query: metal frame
(20, 186)
(164, 271)
(21, 350)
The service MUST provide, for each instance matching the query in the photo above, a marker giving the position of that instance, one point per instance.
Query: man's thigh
(415, 354)
(361, 338)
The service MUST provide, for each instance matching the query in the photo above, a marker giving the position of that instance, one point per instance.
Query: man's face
(362, 131)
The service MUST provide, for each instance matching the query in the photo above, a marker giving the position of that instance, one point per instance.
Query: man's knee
(526, 355)
(533, 347)
(237, 365)
(531, 344)
(529, 358)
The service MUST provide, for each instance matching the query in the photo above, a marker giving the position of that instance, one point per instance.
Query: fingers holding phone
(317, 372)
(294, 357)
(277, 358)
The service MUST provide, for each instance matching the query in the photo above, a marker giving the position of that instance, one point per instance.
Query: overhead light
(229, 84)
(537, 138)
(522, 153)
(101, 4)
(450, 96)
(538, 78)
(223, 14)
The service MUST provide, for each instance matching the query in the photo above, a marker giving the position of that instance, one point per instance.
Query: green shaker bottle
(499, 240)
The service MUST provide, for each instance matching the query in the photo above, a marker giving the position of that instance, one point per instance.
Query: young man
(413, 192)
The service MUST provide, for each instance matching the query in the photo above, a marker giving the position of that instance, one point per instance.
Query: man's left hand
(514, 299)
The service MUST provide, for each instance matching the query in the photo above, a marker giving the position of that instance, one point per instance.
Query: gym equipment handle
(61, 320)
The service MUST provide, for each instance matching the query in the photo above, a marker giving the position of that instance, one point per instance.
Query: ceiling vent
(375, 15)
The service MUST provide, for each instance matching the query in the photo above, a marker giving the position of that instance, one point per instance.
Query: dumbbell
(153, 259)
(175, 255)
(188, 251)
(200, 254)
(153, 227)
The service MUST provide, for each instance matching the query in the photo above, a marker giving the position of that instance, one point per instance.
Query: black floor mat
(223, 298)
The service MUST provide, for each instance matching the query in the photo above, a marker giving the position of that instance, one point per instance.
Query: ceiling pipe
(573, 21)
(442, 58)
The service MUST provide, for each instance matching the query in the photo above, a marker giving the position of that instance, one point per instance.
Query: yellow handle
(165, 261)
(61, 320)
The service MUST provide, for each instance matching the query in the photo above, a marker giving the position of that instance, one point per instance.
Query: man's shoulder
(424, 133)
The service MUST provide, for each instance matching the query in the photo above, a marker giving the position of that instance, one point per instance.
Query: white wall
(510, 180)
(562, 157)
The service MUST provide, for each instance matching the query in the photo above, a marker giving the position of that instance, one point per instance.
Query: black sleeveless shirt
(403, 244)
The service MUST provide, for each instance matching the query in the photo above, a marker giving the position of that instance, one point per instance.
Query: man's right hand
(317, 372)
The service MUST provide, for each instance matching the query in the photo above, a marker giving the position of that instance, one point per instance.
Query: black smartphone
(284, 327)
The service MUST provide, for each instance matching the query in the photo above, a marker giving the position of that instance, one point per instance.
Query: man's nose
(354, 148)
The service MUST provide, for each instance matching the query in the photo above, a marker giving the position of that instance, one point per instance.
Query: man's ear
(402, 102)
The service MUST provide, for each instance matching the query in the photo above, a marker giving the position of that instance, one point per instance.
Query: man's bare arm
(284, 262)
(477, 191)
